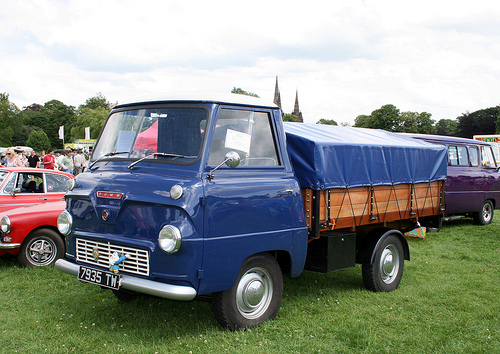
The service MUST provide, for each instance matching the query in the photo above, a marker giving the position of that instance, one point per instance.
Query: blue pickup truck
(215, 196)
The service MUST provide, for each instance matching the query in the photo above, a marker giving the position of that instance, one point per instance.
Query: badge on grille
(105, 215)
(95, 254)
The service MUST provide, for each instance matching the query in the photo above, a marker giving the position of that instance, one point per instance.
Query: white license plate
(99, 277)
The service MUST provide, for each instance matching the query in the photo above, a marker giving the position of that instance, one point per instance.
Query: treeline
(38, 125)
(485, 121)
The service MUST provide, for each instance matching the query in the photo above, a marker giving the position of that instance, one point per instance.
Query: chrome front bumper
(9, 246)
(167, 291)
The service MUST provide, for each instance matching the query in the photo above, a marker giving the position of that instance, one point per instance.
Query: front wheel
(485, 216)
(256, 296)
(41, 248)
(385, 273)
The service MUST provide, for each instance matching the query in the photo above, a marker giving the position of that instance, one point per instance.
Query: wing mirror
(232, 159)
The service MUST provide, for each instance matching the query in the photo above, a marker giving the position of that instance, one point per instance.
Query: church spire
(296, 111)
(277, 96)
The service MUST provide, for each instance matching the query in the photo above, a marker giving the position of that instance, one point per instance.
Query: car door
(248, 209)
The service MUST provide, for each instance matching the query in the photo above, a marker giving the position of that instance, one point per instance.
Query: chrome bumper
(9, 246)
(167, 291)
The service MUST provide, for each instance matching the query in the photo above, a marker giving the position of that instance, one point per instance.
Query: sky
(344, 57)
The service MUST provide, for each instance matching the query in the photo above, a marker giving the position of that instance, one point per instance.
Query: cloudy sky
(345, 57)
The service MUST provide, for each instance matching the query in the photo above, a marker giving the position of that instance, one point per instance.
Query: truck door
(248, 209)
(492, 176)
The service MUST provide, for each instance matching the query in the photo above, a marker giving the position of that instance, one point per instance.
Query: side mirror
(232, 159)
(15, 191)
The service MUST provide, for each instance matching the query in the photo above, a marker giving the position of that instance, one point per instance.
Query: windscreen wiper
(107, 155)
(162, 154)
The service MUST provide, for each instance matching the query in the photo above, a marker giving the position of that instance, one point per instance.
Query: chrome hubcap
(389, 264)
(254, 293)
(41, 252)
(487, 213)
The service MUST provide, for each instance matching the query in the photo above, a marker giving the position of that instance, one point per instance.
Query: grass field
(448, 302)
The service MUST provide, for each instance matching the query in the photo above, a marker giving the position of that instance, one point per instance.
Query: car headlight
(70, 184)
(5, 224)
(64, 222)
(170, 239)
(176, 191)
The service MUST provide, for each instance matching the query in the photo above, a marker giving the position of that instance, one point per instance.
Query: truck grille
(137, 261)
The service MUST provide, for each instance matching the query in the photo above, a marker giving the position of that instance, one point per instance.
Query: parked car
(473, 180)
(31, 234)
(26, 186)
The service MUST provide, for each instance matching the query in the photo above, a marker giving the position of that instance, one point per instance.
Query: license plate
(99, 277)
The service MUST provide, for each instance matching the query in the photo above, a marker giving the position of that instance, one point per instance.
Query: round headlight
(176, 191)
(170, 239)
(70, 184)
(5, 224)
(65, 222)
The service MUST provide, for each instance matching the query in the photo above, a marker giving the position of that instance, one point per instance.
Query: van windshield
(175, 133)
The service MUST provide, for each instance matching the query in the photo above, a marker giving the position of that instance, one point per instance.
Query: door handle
(287, 191)
(41, 198)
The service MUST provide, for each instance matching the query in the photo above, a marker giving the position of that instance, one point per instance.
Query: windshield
(176, 133)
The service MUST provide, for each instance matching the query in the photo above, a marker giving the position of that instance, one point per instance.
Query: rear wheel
(385, 273)
(41, 248)
(485, 216)
(256, 296)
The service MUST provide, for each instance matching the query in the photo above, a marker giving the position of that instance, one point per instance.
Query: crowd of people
(70, 160)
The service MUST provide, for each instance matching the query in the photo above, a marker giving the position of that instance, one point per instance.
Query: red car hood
(36, 209)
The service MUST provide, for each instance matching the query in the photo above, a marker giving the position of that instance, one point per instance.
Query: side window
(474, 155)
(23, 182)
(458, 155)
(487, 157)
(56, 183)
(246, 132)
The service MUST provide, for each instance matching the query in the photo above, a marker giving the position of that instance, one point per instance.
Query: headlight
(5, 224)
(176, 191)
(70, 184)
(170, 239)
(65, 222)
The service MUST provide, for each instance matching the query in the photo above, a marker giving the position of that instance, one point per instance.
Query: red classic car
(26, 186)
(31, 234)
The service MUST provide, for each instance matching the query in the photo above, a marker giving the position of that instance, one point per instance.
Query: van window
(474, 155)
(458, 155)
(487, 157)
(246, 132)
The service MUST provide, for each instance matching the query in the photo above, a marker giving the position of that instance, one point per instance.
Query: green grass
(448, 302)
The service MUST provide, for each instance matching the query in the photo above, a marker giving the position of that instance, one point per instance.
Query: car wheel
(41, 248)
(485, 216)
(385, 273)
(256, 296)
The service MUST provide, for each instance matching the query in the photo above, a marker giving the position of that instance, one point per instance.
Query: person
(79, 162)
(49, 160)
(33, 160)
(12, 159)
(24, 159)
(67, 162)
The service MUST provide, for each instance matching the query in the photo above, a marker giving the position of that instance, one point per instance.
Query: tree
(93, 118)
(52, 115)
(98, 101)
(326, 122)
(478, 122)
(446, 127)
(290, 118)
(38, 140)
(243, 92)
(8, 119)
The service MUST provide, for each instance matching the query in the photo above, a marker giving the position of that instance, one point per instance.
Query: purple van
(473, 181)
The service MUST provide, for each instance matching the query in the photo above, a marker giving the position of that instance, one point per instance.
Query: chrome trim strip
(167, 291)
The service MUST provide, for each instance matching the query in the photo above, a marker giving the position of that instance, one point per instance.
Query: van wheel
(256, 296)
(485, 216)
(387, 269)
(41, 248)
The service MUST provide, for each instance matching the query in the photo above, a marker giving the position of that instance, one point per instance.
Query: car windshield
(166, 134)
(3, 174)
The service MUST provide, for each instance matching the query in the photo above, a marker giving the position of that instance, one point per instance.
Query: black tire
(485, 216)
(41, 248)
(256, 296)
(433, 224)
(385, 273)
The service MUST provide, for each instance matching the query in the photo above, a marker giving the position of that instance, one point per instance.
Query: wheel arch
(367, 245)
